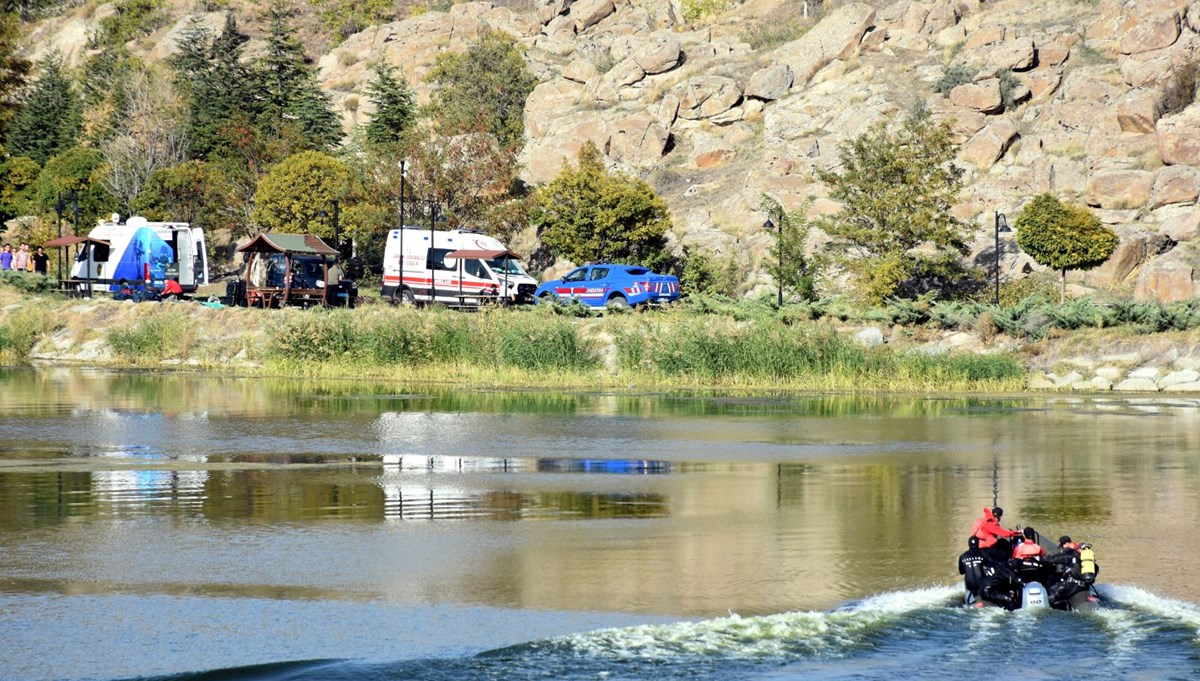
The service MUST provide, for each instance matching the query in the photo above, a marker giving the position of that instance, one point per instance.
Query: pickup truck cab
(611, 285)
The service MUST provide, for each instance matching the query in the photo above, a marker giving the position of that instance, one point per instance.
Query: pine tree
(50, 116)
(292, 96)
(313, 111)
(395, 106)
(216, 84)
(13, 70)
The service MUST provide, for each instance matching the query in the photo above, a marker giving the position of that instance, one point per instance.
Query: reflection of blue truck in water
(146, 252)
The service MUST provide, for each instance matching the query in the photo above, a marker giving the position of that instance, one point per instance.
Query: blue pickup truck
(611, 285)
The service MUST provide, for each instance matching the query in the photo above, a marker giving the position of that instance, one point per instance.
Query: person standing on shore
(6, 256)
(41, 261)
(20, 259)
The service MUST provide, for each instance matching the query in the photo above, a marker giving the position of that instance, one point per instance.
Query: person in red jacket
(989, 532)
(1030, 547)
(1027, 559)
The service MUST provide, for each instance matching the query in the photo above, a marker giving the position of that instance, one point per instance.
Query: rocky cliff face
(1066, 96)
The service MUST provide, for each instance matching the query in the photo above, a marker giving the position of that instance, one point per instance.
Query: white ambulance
(459, 268)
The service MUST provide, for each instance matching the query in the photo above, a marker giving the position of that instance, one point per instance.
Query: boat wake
(920, 633)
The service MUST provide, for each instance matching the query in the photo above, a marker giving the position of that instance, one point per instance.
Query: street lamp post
(403, 175)
(1001, 226)
(769, 225)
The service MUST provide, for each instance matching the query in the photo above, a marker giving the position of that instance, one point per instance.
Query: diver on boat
(1000, 585)
(970, 566)
(1076, 571)
(992, 537)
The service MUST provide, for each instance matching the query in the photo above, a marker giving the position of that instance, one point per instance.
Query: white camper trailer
(138, 250)
(457, 268)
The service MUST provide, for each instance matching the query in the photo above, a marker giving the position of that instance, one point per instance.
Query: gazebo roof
(64, 241)
(303, 244)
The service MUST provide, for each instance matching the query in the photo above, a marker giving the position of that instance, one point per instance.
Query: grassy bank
(502, 348)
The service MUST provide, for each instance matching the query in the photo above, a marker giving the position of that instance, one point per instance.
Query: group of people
(995, 570)
(21, 259)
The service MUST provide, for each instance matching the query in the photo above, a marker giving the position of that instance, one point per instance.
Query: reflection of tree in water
(42, 499)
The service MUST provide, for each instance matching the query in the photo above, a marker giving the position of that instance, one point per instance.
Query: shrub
(26, 282)
(952, 77)
(1008, 89)
(695, 10)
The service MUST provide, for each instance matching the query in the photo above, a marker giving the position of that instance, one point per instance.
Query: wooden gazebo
(68, 284)
(278, 269)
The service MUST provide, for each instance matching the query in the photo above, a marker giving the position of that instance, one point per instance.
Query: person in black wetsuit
(1000, 585)
(970, 566)
(1069, 579)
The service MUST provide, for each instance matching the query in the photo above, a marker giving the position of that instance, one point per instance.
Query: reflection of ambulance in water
(142, 251)
(459, 268)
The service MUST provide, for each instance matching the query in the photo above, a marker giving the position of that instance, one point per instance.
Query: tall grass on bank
(396, 336)
(1031, 317)
(21, 330)
(806, 354)
(155, 336)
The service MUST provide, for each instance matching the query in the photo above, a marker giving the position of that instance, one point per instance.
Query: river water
(197, 527)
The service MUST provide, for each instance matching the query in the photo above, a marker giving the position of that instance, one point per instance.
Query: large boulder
(708, 96)
(770, 83)
(989, 145)
(544, 157)
(1169, 278)
(547, 102)
(982, 96)
(986, 35)
(1017, 54)
(588, 13)
(660, 55)
(1172, 185)
(1137, 247)
(1151, 33)
(1138, 111)
(637, 140)
(1182, 227)
(834, 37)
(1120, 188)
(1179, 137)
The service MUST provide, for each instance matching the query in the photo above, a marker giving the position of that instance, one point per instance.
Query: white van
(142, 251)
(459, 268)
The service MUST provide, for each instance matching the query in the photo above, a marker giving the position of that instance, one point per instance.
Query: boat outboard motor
(1034, 596)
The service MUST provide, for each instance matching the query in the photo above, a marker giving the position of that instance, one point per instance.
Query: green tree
(1063, 236)
(790, 265)
(489, 82)
(469, 176)
(17, 177)
(81, 171)
(297, 195)
(13, 71)
(704, 274)
(395, 106)
(195, 191)
(49, 120)
(587, 214)
(292, 96)
(897, 190)
(216, 85)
